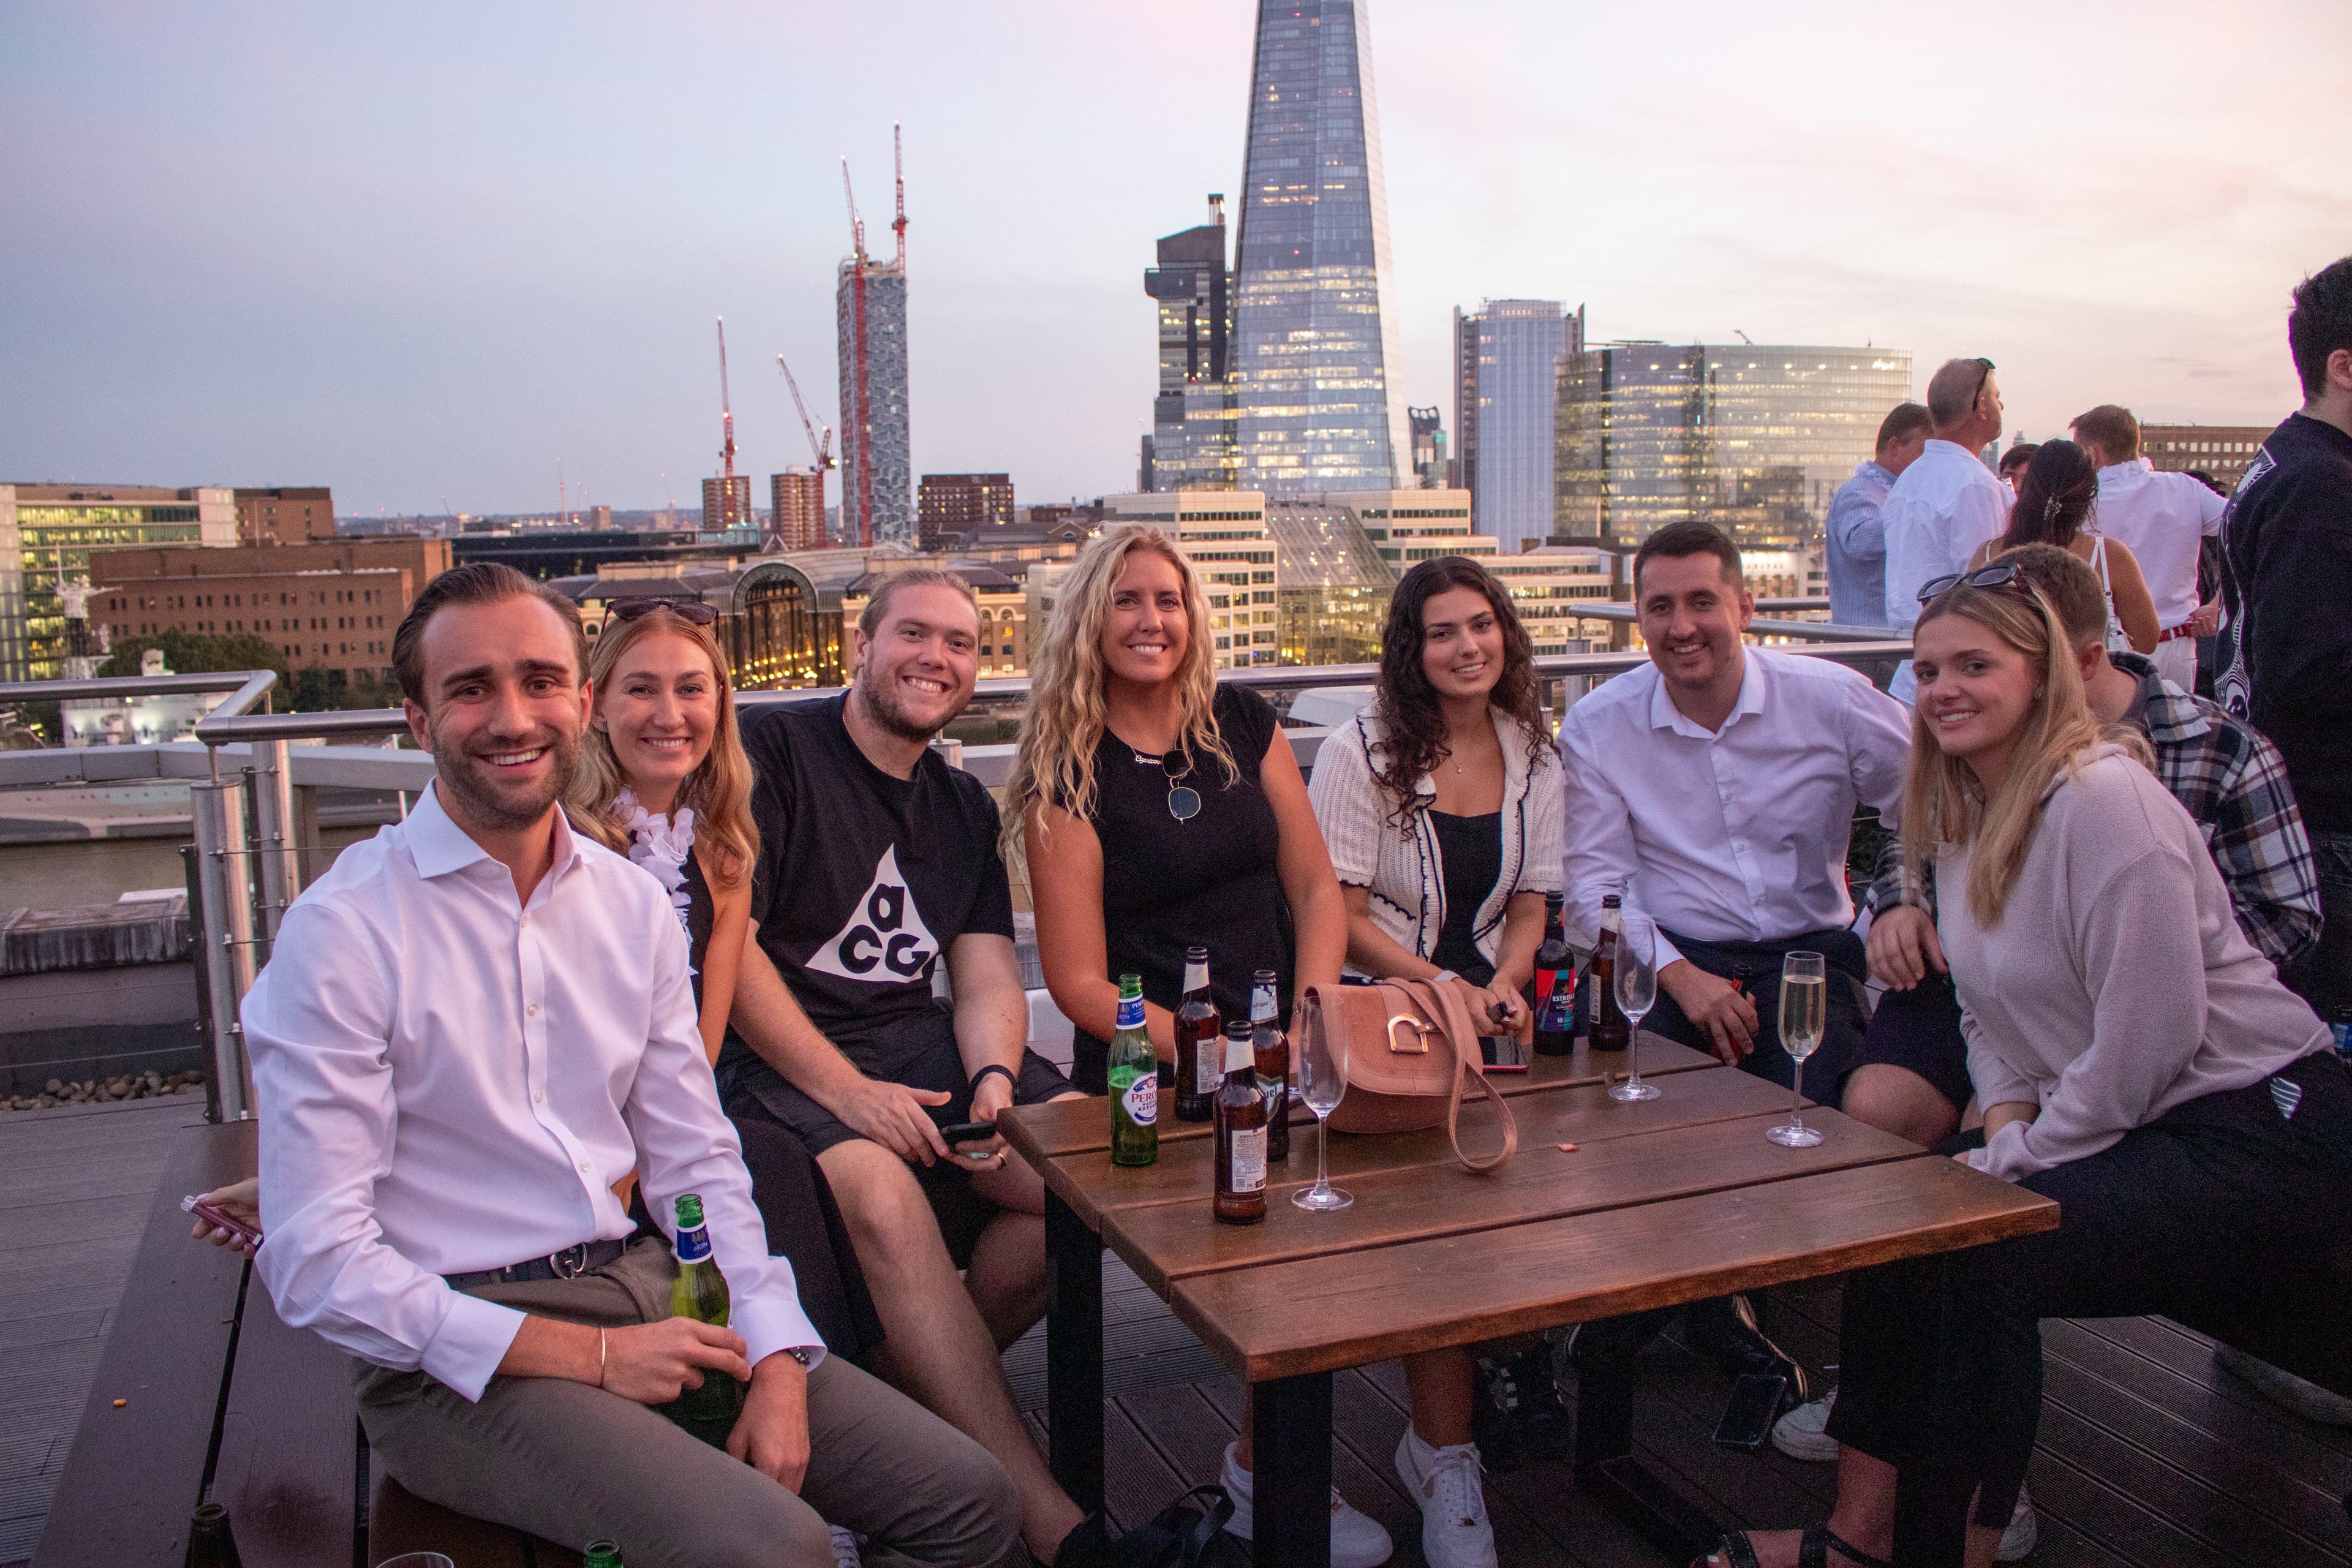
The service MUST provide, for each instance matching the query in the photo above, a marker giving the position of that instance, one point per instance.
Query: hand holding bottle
(652, 1364)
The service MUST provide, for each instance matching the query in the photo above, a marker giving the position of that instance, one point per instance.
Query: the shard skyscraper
(1314, 318)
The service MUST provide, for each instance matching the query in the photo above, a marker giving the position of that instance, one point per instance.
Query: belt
(2170, 633)
(573, 1260)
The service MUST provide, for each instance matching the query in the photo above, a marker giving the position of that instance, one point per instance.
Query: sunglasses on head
(693, 612)
(1183, 800)
(2000, 574)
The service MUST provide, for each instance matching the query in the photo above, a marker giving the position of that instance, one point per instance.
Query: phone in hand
(1502, 1052)
(955, 1132)
(221, 1219)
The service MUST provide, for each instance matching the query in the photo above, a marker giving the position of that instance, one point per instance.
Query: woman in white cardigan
(1441, 803)
(1441, 806)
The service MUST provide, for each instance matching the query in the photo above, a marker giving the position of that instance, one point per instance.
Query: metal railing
(250, 823)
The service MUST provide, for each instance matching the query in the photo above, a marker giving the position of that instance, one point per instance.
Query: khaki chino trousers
(571, 1463)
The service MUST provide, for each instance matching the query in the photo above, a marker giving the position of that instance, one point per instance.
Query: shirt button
(583, 1165)
(539, 1097)
(526, 920)
(534, 1009)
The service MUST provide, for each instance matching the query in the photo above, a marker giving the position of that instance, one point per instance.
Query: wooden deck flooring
(2150, 1455)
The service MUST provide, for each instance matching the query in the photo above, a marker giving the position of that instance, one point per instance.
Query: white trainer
(2025, 1529)
(1803, 1433)
(1357, 1540)
(1454, 1530)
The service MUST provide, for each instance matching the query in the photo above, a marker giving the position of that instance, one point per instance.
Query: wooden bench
(221, 1402)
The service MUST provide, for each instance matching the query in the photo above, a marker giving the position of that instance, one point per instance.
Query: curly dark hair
(2054, 498)
(1412, 722)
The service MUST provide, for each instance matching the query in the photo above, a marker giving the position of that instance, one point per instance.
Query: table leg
(1074, 1353)
(1606, 1466)
(1291, 1434)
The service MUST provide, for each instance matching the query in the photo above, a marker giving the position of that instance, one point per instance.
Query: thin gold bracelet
(600, 1358)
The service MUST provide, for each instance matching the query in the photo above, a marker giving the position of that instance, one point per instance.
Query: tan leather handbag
(1410, 1046)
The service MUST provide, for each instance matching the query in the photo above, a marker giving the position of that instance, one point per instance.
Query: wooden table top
(1673, 1199)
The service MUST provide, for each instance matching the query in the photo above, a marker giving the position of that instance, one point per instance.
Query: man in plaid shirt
(1913, 1078)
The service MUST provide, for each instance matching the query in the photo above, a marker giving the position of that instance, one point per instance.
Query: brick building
(950, 505)
(329, 605)
(797, 508)
(285, 515)
(2223, 451)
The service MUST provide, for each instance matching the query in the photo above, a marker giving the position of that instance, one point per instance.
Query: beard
(485, 799)
(880, 699)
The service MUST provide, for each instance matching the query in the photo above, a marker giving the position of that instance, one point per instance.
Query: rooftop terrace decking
(2149, 1455)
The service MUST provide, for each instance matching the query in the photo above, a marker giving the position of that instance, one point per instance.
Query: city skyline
(429, 259)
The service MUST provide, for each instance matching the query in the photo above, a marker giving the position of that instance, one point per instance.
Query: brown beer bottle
(1272, 1050)
(1240, 1133)
(1200, 1041)
(1610, 1032)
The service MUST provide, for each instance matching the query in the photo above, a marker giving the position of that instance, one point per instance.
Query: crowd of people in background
(632, 946)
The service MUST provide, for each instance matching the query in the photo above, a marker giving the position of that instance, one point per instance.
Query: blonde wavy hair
(1065, 721)
(719, 790)
(1943, 804)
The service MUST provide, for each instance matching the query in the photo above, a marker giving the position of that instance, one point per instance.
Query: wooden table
(1675, 1199)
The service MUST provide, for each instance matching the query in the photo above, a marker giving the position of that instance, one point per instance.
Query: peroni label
(1141, 1098)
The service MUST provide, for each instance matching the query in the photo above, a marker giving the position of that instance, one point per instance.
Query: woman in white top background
(2057, 503)
(2137, 1059)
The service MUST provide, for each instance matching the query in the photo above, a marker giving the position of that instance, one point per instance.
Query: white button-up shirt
(2161, 517)
(1944, 505)
(451, 1081)
(1737, 835)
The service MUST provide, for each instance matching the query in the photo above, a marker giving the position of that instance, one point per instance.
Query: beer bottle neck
(1196, 978)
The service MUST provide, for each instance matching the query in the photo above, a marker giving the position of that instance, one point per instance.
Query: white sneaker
(2024, 1530)
(1357, 1541)
(845, 1548)
(1803, 1433)
(1454, 1531)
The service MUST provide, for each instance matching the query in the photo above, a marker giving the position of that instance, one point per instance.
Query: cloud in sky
(429, 251)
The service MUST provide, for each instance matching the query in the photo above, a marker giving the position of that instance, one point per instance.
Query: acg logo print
(884, 940)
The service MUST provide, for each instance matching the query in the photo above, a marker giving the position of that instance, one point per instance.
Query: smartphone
(1502, 1052)
(221, 1219)
(955, 1132)
(1755, 1404)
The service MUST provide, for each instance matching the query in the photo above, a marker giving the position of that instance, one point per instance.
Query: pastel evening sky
(426, 250)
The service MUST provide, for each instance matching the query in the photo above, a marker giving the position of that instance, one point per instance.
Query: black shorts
(1919, 1030)
(924, 1058)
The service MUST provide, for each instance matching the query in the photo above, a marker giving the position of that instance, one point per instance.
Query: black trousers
(2211, 1213)
(1758, 965)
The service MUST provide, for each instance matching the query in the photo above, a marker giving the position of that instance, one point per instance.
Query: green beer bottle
(700, 1292)
(1134, 1082)
(602, 1555)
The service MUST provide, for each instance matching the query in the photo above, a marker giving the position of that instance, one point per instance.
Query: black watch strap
(1011, 1082)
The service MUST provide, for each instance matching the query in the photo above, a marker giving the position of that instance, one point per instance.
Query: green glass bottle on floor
(1134, 1082)
(601, 1554)
(700, 1292)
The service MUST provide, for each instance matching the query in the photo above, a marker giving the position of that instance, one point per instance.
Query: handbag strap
(1445, 1008)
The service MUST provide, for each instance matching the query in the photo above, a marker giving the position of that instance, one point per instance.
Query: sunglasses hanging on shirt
(1183, 800)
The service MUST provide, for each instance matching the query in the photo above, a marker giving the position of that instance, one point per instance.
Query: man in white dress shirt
(1714, 791)
(1948, 503)
(2165, 519)
(470, 1029)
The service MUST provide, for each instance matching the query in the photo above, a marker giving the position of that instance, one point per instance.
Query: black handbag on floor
(1188, 1533)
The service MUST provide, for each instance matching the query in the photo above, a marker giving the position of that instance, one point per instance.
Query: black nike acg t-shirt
(863, 879)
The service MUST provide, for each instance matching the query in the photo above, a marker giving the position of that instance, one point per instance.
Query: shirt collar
(1870, 469)
(439, 845)
(2167, 713)
(1664, 715)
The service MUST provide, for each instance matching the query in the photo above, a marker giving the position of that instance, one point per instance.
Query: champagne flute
(1637, 993)
(1322, 1079)
(1805, 1017)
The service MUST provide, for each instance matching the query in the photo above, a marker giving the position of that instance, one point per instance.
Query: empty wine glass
(1322, 1079)
(1637, 993)
(1804, 1017)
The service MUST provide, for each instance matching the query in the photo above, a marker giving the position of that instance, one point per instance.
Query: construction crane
(822, 449)
(857, 416)
(727, 518)
(898, 171)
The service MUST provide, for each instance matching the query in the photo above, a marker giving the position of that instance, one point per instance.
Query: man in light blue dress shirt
(1857, 532)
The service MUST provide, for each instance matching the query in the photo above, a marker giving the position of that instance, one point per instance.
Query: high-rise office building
(47, 534)
(1428, 446)
(952, 505)
(1507, 357)
(877, 468)
(796, 510)
(1313, 315)
(1754, 438)
(1191, 444)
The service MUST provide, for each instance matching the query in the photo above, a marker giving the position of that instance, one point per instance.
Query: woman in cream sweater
(2136, 1059)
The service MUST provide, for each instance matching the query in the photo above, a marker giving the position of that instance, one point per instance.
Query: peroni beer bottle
(1134, 1082)
(700, 1292)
